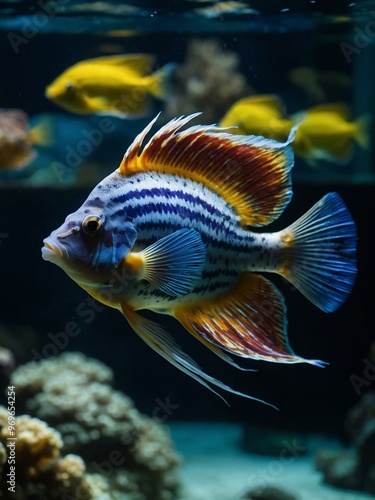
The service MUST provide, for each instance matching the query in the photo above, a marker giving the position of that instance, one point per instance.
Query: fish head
(89, 246)
(66, 92)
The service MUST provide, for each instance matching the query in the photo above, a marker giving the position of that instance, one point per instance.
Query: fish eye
(92, 225)
(69, 86)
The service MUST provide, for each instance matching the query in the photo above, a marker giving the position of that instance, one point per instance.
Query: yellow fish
(326, 132)
(258, 115)
(112, 85)
(171, 231)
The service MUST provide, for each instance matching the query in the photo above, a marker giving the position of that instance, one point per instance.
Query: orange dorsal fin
(250, 173)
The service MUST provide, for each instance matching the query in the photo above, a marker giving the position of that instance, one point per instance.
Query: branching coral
(72, 393)
(208, 81)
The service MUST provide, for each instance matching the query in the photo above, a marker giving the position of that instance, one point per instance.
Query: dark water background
(35, 294)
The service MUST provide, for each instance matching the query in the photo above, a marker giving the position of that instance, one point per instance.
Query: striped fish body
(171, 231)
(160, 205)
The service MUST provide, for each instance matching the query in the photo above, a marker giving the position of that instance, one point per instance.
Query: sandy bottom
(215, 468)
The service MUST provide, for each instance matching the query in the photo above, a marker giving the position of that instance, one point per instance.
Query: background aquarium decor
(99, 415)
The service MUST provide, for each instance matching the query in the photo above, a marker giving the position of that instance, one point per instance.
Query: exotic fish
(17, 138)
(170, 231)
(258, 115)
(112, 85)
(320, 86)
(326, 132)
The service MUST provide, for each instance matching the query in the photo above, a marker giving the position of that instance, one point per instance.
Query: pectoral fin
(158, 339)
(174, 263)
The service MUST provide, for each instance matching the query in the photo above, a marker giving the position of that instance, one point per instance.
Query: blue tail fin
(319, 253)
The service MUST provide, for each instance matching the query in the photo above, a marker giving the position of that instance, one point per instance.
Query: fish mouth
(50, 251)
(50, 93)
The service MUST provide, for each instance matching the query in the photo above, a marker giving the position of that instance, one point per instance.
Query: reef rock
(39, 468)
(353, 469)
(72, 393)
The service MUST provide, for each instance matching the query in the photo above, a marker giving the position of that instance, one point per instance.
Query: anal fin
(249, 321)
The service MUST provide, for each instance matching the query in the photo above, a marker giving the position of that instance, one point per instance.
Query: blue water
(266, 42)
